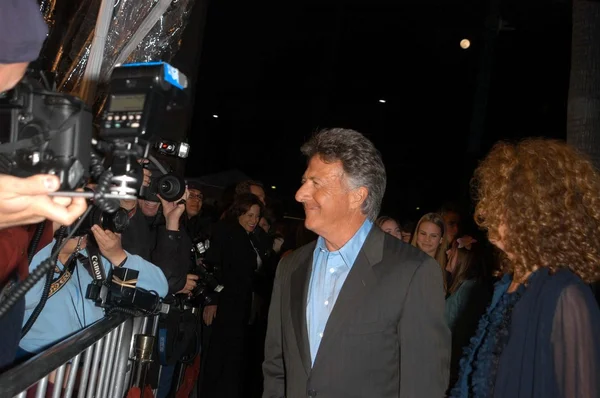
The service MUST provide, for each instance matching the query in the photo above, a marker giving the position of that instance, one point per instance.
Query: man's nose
(302, 194)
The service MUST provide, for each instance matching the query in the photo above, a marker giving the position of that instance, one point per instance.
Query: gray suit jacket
(386, 336)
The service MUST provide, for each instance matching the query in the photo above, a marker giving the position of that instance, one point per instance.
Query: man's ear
(358, 196)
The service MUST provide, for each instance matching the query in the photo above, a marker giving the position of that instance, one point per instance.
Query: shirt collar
(350, 250)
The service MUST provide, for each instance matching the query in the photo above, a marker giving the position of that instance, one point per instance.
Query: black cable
(102, 188)
(129, 311)
(96, 165)
(81, 292)
(37, 236)
(46, 289)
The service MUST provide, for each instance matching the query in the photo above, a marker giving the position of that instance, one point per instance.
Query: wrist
(172, 225)
(118, 259)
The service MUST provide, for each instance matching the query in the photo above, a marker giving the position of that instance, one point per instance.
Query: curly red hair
(547, 195)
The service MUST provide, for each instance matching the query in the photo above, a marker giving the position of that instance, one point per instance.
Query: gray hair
(360, 160)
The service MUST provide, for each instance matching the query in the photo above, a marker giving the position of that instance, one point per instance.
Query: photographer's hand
(209, 314)
(25, 201)
(190, 284)
(109, 244)
(173, 211)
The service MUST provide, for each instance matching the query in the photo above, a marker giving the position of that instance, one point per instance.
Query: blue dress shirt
(68, 311)
(329, 271)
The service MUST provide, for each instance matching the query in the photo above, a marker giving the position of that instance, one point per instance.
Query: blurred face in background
(392, 228)
(429, 237)
(258, 191)
(264, 224)
(406, 236)
(149, 209)
(452, 221)
(249, 220)
(194, 202)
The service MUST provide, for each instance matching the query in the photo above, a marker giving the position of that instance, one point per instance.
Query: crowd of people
(362, 305)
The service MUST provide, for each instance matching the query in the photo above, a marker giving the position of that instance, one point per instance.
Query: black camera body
(208, 283)
(169, 186)
(115, 222)
(45, 132)
(116, 292)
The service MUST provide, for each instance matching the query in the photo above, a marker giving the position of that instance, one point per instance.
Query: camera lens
(115, 222)
(120, 220)
(170, 187)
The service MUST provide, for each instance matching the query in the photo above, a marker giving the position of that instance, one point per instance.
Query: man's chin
(310, 224)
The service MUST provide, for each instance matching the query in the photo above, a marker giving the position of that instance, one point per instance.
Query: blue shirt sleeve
(150, 276)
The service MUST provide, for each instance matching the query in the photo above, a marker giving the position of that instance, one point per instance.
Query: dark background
(275, 72)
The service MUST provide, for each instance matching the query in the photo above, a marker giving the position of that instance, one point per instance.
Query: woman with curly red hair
(539, 201)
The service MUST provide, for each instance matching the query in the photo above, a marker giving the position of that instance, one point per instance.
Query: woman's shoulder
(559, 281)
(549, 290)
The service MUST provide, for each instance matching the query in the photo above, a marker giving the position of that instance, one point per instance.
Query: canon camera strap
(94, 262)
(64, 275)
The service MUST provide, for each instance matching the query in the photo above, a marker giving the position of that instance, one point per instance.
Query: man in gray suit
(358, 313)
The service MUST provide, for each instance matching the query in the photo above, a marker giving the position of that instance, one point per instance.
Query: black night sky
(274, 72)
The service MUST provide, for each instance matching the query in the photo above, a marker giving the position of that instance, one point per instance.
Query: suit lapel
(299, 282)
(359, 282)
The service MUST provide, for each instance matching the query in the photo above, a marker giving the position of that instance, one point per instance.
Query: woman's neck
(515, 283)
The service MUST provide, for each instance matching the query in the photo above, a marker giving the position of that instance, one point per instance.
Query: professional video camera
(207, 284)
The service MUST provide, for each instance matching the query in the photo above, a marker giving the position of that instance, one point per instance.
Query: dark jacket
(386, 336)
(169, 250)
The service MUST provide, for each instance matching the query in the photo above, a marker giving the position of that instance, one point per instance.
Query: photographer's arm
(166, 254)
(169, 246)
(25, 201)
(150, 276)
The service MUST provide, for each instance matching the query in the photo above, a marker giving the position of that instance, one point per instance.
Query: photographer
(156, 232)
(23, 201)
(160, 240)
(196, 220)
(67, 310)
